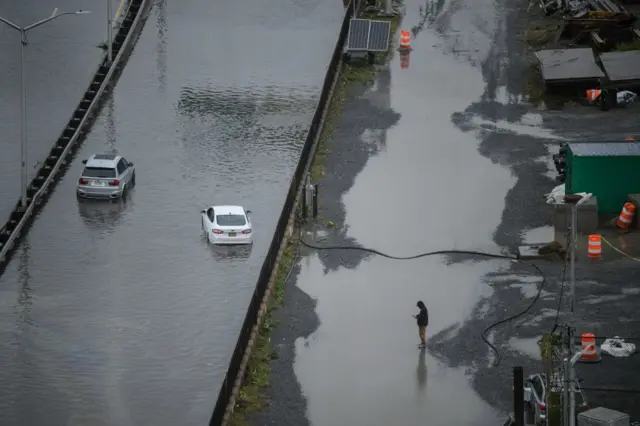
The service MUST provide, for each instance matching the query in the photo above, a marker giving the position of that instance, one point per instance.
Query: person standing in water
(423, 320)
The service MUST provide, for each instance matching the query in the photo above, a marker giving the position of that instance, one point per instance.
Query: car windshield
(231, 220)
(99, 172)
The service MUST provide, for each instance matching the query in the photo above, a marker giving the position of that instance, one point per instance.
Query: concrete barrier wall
(266, 280)
(130, 24)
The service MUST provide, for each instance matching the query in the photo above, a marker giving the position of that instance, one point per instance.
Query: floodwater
(60, 61)
(120, 314)
(427, 187)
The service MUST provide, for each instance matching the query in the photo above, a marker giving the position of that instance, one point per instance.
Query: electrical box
(608, 170)
(601, 416)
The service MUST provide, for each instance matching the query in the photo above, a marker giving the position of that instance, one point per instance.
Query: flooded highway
(60, 60)
(120, 314)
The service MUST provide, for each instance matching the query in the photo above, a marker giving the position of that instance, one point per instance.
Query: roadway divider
(61, 155)
(266, 280)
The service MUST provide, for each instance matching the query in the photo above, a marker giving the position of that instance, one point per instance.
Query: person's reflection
(421, 371)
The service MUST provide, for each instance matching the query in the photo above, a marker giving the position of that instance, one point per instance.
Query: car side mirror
(130, 164)
(203, 211)
(84, 161)
(248, 211)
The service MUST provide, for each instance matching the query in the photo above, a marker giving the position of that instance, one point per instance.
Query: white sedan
(227, 225)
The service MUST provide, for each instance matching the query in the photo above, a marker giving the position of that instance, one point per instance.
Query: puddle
(526, 346)
(541, 235)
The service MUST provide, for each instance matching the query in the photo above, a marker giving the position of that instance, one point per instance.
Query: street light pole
(109, 33)
(23, 89)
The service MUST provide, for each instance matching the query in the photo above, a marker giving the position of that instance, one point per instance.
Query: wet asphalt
(60, 61)
(120, 314)
(444, 155)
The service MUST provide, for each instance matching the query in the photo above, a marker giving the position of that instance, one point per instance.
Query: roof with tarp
(566, 65)
(621, 66)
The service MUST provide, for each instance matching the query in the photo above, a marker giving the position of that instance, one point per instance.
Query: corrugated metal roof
(606, 149)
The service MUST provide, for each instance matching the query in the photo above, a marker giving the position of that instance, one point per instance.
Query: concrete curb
(62, 152)
(289, 233)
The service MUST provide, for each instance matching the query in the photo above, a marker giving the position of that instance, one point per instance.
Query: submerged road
(60, 60)
(120, 314)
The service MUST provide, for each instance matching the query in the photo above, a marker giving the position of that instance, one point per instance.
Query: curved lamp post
(23, 102)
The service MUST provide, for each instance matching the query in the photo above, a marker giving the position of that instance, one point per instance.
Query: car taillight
(216, 231)
(82, 181)
(114, 182)
(246, 231)
(541, 406)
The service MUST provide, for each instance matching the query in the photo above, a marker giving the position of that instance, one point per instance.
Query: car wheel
(133, 179)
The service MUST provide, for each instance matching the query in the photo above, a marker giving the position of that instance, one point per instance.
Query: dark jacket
(423, 316)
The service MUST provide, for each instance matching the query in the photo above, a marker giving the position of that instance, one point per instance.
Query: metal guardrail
(232, 380)
(62, 158)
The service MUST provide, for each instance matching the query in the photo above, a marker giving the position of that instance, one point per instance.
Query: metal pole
(23, 118)
(572, 276)
(109, 33)
(565, 384)
(518, 396)
(572, 395)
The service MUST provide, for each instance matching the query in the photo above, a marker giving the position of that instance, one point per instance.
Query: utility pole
(569, 373)
(23, 91)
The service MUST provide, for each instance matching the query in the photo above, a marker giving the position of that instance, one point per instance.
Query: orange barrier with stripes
(594, 249)
(626, 216)
(405, 40)
(588, 347)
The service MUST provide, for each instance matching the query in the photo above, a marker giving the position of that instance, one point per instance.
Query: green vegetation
(538, 35)
(534, 84)
(625, 47)
(355, 72)
(550, 348)
(251, 398)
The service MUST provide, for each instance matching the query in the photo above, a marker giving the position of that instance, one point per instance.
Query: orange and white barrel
(593, 94)
(588, 347)
(626, 216)
(594, 249)
(405, 40)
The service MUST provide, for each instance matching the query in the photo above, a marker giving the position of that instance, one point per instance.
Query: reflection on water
(25, 301)
(421, 371)
(110, 124)
(161, 48)
(230, 254)
(102, 215)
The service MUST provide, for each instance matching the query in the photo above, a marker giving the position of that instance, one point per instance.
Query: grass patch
(251, 398)
(628, 46)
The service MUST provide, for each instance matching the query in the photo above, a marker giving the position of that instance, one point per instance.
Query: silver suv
(106, 176)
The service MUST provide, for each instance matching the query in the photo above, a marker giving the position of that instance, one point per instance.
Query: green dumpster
(608, 170)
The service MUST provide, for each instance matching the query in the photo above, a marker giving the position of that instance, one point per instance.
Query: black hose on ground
(443, 252)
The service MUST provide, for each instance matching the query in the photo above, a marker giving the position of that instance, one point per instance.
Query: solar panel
(358, 34)
(368, 35)
(379, 36)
